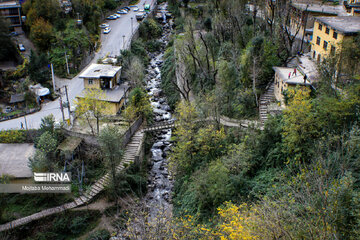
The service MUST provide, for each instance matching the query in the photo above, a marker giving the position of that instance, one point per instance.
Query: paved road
(111, 43)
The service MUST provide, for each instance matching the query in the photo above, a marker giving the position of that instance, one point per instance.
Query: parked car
(104, 25)
(22, 48)
(13, 34)
(126, 8)
(122, 11)
(135, 9)
(107, 30)
(111, 17)
(117, 15)
(140, 16)
(8, 109)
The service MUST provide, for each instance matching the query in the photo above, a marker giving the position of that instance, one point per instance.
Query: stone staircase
(131, 153)
(265, 100)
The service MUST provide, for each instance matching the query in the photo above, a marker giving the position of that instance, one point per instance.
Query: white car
(111, 17)
(107, 30)
(117, 15)
(104, 25)
(22, 48)
(140, 16)
(122, 12)
(135, 9)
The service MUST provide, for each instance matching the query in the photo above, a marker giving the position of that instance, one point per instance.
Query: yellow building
(107, 78)
(303, 16)
(329, 32)
(353, 6)
(286, 78)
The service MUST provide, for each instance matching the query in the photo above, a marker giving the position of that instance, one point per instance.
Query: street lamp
(123, 41)
(132, 26)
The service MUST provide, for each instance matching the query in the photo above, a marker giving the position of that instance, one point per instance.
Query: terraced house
(329, 32)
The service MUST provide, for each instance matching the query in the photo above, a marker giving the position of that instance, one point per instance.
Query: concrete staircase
(265, 100)
(132, 151)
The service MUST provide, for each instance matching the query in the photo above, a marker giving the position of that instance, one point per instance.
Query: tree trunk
(254, 81)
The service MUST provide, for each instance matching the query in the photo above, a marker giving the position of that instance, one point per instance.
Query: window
(325, 45)
(14, 11)
(335, 35)
(318, 41)
(327, 30)
(332, 50)
(90, 81)
(320, 27)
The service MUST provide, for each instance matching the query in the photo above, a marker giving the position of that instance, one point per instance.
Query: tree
(38, 69)
(300, 129)
(139, 105)
(110, 140)
(41, 33)
(47, 143)
(135, 72)
(8, 49)
(149, 29)
(180, 158)
(92, 105)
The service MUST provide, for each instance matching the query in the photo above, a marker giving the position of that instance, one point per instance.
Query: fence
(30, 111)
(92, 140)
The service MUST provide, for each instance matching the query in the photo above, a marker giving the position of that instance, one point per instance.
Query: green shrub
(101, 234)
(153, 45)
(13, 136)
(150, 29)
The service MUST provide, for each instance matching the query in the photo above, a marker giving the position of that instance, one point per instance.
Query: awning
(69, 144)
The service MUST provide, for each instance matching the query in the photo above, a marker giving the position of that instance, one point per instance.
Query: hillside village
(180, 119)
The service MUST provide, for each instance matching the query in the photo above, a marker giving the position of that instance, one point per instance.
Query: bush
(150, 29)
(13, 136)
(101, 234)
(138, 49)
(153, 46)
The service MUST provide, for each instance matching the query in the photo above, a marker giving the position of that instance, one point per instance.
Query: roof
(70, 144)
(14, 159)
(317, 8)
(15, 98)
(39, 90)
(348, 25)
(11, 4)
(100, 71)
(111, 95)
(293, 80)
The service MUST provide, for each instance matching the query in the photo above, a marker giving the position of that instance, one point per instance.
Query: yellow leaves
(93, 101)
(12, 136)
(41, 33)
(236, 222)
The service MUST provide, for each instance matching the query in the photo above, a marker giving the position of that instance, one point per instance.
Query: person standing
(294, 71)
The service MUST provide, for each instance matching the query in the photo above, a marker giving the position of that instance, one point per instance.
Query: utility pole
(68, 105)
(67, 64)
(52, 76)
(123, 42)
(26, 126)
(61, 107)
(132, 32)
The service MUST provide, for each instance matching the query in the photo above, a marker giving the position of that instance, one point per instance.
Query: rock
(156, 154)
(158, 144)
(165, 107)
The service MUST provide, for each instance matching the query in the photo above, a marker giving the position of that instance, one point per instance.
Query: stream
(157, 201)
(159, 181)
